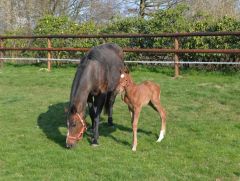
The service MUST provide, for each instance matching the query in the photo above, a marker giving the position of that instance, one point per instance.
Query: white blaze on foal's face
(121, 83)
(123, 80)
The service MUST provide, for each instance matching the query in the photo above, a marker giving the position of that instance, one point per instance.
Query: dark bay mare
(95, 84)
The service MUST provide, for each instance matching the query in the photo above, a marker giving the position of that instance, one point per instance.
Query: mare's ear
(73, 109)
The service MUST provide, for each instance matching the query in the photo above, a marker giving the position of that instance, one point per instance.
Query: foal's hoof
(160, 139)
(161, 136)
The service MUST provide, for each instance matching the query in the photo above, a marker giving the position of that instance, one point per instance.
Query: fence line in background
(127, 61)
(132, 50)
(159, 35)
(177, 50)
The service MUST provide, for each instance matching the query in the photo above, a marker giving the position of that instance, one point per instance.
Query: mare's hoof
(111, 125)
(110, 122)
(95, 143)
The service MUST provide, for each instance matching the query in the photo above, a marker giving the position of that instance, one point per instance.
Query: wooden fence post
(1, 54)
(49, 54)
(176, 57)
(104, 40)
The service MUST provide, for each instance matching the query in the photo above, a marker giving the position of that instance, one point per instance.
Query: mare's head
(76, 127)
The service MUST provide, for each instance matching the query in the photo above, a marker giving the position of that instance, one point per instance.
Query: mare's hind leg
(98, 104)
(109, 106)
(155, 102)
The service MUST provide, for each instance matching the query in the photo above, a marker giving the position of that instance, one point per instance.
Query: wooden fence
(176, 50)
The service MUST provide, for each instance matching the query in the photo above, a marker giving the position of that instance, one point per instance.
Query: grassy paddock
(202, 140)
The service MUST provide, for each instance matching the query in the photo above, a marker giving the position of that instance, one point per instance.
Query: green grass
(202, 140)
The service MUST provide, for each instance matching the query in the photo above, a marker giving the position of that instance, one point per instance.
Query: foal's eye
(73, 124)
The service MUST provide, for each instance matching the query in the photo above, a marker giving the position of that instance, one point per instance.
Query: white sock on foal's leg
(161, 135)
(134, 148)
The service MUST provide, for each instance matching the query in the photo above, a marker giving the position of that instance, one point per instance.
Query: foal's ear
(73, 109)
(124, 70)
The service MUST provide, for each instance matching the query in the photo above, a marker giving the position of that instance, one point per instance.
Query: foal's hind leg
(156, 103)
(135, 118)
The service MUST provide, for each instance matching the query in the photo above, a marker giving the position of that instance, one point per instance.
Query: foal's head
(76, 127)
(125, 80)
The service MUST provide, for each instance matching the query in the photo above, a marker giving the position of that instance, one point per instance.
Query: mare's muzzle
(72, 140)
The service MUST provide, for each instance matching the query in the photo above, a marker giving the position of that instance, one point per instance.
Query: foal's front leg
(134, 127)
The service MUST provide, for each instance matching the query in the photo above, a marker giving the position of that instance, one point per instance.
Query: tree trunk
(142, 8)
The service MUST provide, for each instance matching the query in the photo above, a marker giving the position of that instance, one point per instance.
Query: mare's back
(110, 56)
(107, 52)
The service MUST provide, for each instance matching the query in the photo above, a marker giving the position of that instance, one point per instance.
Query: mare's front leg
(91, 109)
(135, 118)
(98, 104)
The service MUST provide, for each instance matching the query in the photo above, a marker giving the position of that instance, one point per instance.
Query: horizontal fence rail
(160, 35)
(126, 61)
(135, 50)
(176, 50)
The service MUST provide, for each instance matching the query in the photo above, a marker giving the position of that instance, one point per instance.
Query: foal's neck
(130, 85)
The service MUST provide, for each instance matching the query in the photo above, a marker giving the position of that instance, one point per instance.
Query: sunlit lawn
(202, 140)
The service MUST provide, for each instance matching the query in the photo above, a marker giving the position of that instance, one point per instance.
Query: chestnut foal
(138, 95)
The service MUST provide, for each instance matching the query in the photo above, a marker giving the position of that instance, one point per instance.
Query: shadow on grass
(54, 119)
(237, 174)
(51, 121)
(105, 130)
